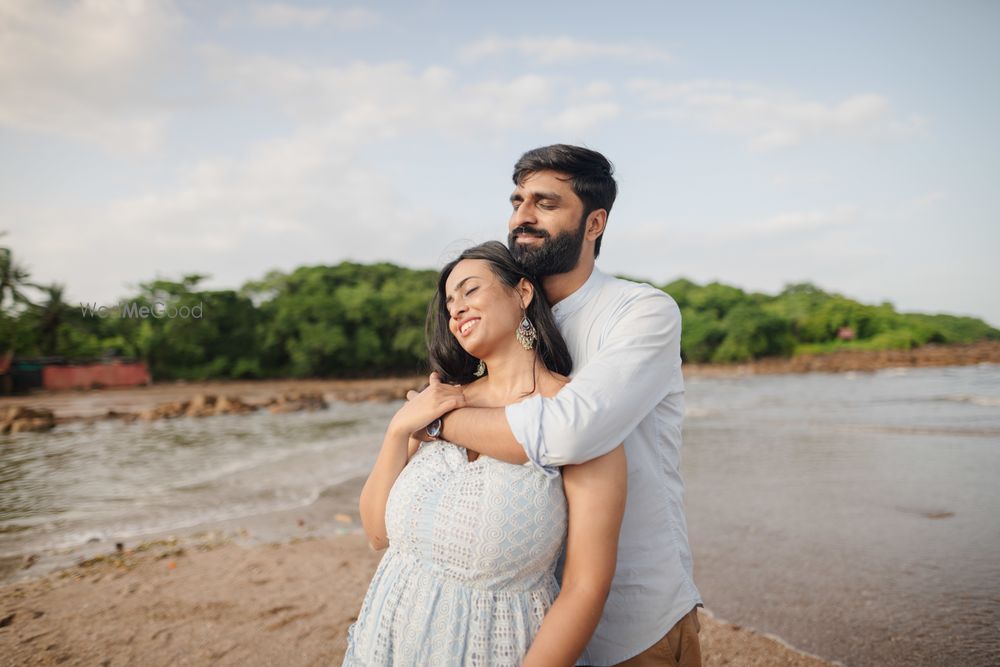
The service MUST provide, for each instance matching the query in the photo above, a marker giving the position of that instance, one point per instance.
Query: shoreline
(220, 602)
(847, 361)
(100, 403)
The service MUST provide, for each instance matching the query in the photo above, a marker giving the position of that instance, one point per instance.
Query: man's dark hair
(591, 175)
(457, 366)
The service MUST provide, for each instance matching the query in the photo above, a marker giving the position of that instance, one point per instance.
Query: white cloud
(295, 201)
(929, 199)
(362, 101)
(301, 199)
(799, 178)
(792, 226)
(582, 117)
(281, 15)
(772, 119)
(827, 246)
(84, 70)
(550, 50)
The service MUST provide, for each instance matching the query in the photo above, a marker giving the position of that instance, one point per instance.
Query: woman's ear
(526, 291)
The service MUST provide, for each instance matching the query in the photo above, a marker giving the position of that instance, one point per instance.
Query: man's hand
(424, 407)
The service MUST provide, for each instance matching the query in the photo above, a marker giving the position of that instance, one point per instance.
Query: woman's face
(483, 310)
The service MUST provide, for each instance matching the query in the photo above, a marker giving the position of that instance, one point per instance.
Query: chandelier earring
(526, 333)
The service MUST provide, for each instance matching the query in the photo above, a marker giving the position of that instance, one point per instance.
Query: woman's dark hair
(455, 365)
(591, 176)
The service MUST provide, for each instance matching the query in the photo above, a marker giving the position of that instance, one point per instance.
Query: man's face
(547, 226)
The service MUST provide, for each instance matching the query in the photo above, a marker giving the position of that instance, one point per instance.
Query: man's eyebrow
(538, 196)
(459, 286)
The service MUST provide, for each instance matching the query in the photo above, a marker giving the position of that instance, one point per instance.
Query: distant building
(55, 373)
(845, 333)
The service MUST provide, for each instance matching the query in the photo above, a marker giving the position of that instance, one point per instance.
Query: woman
(468, 578)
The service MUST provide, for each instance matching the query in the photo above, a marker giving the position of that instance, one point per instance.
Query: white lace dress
(469, 572)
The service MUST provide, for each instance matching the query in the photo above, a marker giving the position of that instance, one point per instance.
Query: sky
(853, 145)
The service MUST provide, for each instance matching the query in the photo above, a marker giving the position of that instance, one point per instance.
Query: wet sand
(189, 603)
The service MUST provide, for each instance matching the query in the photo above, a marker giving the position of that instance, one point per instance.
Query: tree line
(354, 320)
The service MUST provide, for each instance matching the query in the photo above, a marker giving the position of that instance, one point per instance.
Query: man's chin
(524, 254)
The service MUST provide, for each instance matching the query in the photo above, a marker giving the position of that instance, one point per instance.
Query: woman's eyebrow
(459, 286)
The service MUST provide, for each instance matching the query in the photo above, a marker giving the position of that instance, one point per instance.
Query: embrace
(529, 498)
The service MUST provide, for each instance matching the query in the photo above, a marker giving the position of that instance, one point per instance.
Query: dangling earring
(526, 334)
(480, 369)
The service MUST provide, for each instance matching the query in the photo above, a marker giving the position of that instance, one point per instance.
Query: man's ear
(596, 222)
(526, 292)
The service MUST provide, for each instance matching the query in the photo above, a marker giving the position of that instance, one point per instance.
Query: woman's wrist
(397, 433)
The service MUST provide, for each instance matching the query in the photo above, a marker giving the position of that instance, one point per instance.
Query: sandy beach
(282, 586)
(189, 602)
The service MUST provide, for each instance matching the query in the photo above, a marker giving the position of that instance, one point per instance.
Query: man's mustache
(528, 231)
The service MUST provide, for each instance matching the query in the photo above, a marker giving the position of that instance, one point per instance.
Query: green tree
(751, 333)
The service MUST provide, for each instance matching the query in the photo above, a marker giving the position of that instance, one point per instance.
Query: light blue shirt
(627, 386)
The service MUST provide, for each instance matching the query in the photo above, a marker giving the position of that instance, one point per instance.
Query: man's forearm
(483, 430)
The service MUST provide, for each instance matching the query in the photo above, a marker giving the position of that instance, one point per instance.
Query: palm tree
(13, 278)
(51, 315)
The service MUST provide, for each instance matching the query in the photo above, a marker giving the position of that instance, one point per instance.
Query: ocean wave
(987, 432)
(131, 528)
(985, 401)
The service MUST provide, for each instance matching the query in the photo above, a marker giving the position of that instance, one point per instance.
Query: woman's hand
(420, 410)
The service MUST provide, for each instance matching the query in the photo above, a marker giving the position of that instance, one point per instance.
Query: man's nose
(523, 215)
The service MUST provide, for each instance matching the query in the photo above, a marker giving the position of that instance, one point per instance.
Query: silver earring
(526, 334)
(480, 369)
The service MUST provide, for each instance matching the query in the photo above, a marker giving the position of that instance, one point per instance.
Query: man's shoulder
(630, 293)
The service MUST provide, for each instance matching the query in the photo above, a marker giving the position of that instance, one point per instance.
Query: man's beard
(553, 255)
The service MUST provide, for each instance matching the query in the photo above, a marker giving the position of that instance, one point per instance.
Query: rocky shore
(43, 411)
(21, 418)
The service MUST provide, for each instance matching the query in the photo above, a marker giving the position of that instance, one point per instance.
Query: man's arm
(486, 430)
(637, 365)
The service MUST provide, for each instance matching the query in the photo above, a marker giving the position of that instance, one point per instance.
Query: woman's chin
(475, 348)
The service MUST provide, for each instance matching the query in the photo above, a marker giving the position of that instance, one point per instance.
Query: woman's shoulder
(550, 384)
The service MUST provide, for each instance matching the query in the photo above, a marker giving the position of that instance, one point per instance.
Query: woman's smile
(468, 326)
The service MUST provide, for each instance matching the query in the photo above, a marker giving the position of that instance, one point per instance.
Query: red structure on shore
(95, 375)
(21, 376)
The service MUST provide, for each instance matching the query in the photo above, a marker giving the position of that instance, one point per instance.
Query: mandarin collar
(575, 301)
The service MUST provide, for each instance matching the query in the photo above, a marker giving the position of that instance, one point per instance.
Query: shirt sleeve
(637, 365)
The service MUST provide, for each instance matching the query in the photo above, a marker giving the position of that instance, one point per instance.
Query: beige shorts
(678, 648)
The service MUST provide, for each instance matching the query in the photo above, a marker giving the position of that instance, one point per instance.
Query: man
(627, 386)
